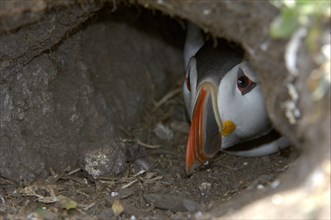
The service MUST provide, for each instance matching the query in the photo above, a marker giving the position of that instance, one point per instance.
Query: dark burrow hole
(134, 60)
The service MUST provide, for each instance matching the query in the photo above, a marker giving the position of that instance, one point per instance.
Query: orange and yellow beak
(204, 141)
(207, 129)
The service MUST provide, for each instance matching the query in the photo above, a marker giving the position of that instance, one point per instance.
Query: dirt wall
(69, 81)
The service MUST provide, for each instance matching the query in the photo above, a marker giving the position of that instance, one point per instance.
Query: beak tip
(189, 170)
(191, 167)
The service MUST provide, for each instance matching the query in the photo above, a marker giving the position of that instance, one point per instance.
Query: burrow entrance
(132, 62)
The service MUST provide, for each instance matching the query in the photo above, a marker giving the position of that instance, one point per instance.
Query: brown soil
(162, 192)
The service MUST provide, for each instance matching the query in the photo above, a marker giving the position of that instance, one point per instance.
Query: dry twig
(165, 98)
(148, 145)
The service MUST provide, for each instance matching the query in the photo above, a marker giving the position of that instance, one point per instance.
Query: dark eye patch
(244, 83)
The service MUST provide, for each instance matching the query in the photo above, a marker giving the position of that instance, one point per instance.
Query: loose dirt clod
(66, 203)
(171, 202)
(107, 161)
(117, 208)
(163, 132)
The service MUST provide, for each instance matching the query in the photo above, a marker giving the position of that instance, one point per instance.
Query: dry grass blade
(47, 199)
(87, 207)
(148, 145)
(140, 173)
(74, 171)
(6, 181)
(165, 98)
(152, 180)
(129, 184)
(55, 176)
(82, 193)
(3, 202)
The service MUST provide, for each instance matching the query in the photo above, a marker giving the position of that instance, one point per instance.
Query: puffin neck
(255, 143)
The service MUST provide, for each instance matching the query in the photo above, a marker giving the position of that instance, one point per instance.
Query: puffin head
(224, 102)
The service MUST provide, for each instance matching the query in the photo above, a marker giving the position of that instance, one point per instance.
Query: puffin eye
(244, 83)
(188, 81)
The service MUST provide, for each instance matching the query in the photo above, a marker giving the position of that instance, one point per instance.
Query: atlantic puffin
(224, 102)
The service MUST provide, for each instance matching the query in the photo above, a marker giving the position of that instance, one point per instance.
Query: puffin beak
(205, 137)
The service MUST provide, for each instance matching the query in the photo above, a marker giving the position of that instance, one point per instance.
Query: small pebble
(117, 208)
(106, 214)
(109, 160)
(277, 199)
(113, 194)
(163, 132)
(317, 178)
(142, 164)
(198, 214)
(205, 186)
(275, 184)
(206, 11)
(20, 116)
(260, 186)
(245, 163)
(125, 193)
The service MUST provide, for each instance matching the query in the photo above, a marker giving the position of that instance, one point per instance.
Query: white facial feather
(246, 111)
